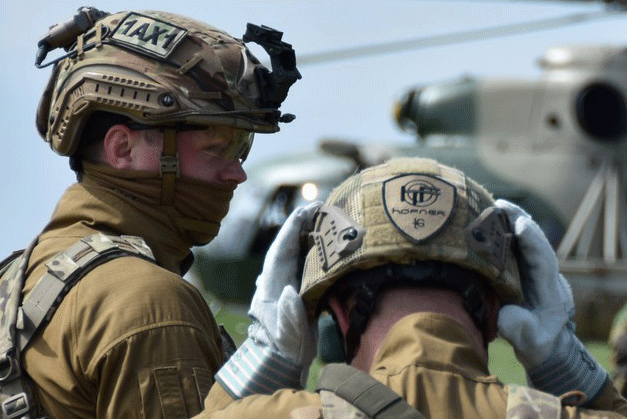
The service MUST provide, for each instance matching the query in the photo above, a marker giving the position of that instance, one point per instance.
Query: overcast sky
(349, 98)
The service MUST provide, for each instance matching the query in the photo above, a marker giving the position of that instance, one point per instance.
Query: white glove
(541, 330)
(281, 342)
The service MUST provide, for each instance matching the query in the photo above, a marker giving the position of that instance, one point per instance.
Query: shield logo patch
(418, 205)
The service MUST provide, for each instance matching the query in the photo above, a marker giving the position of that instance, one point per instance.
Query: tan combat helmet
(406, 211)
(158, 68)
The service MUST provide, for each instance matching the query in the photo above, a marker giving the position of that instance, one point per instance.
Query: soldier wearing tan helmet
(156, 112)
(420, 268)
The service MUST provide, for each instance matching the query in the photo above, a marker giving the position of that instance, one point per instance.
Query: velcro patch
(418, 205)
(148, 35)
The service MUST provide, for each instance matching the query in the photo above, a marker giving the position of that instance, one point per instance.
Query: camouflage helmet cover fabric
(155, 68)
(412, 209)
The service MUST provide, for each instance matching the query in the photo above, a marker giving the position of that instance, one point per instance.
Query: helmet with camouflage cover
(157, 69)
(405, 211)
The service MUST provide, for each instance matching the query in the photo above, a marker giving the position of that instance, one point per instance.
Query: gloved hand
(281, 342)
(278, 313)
(541, 330)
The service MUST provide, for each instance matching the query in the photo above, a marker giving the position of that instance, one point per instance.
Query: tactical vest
(20, 320)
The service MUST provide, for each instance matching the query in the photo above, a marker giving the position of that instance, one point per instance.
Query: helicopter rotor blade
(342, 54)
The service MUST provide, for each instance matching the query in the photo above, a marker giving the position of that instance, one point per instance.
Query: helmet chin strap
(170, 168)
(170, 172)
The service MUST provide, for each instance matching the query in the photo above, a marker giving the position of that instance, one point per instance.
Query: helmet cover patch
(148, 35)
(418, 205)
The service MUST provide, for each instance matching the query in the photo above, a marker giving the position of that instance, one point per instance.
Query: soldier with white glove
(541, 329)
(281, 343)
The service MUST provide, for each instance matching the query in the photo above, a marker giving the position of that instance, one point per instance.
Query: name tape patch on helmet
(418, 205)
(148, 35)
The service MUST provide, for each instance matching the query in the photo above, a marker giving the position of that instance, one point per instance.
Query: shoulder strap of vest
(366, 393)
(66, 268)
(19, 323)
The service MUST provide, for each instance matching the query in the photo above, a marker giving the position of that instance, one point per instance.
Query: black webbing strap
(361, 390)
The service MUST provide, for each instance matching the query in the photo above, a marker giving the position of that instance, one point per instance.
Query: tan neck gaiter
(198, 207)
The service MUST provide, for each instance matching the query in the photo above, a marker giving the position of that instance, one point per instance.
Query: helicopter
(504, 133)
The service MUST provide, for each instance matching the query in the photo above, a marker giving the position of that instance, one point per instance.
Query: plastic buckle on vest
(15, 406)
(169, 164)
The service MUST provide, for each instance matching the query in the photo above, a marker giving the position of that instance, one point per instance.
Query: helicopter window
(280, 206)
(273, 216)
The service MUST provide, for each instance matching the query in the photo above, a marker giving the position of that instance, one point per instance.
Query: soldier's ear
(341, 313)
(118, 144)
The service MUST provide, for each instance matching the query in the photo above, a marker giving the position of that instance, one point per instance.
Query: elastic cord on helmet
(369, 284)
(101, 33)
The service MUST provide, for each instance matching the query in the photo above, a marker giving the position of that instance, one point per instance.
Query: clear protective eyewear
(239, 140)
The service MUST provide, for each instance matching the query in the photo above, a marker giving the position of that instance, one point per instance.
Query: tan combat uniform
(432, 362)
(132, 339)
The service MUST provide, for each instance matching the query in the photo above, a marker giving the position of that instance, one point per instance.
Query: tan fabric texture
(431, 361)
(196, 212)
(132, 339)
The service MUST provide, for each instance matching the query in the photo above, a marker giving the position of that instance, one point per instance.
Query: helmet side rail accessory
(335, 235)
(490, 234)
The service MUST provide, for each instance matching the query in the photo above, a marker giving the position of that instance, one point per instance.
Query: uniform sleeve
(281, 404)
(152, 347)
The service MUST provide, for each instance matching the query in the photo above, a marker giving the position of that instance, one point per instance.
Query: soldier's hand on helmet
(278, 313)
(541, 329)
(548, 302)
(281, 341)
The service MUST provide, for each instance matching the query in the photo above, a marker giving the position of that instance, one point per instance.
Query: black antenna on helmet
(275, 84)
(63, 35)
